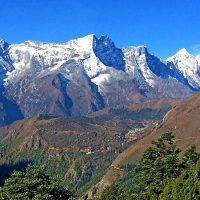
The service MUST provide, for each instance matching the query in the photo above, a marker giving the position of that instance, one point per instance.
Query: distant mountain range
(86, 75)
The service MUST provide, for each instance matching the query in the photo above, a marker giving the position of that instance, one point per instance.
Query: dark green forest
(163, 173)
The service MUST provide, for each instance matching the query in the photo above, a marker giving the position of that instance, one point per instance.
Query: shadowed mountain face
(8, 169)
(90, 73)
(57, 94)
(105, 50)
(9, 111)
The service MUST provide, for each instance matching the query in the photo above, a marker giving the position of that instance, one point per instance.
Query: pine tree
(185, 187)
(190, 157)
(34, 184)
(113, 192)
(158, 163)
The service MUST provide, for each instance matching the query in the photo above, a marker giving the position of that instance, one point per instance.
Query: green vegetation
(185, 187)
(158, 163)
(66, 156)
(190, 158)
(144, 114)
(161, 174)
(94, 181)
(140, 114)
(113, 192)
(34, 184)
(79, 179)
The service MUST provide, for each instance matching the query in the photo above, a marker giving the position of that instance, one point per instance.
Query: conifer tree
(34, 184)
(158, 163)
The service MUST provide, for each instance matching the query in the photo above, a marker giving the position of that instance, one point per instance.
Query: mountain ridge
(95, 75)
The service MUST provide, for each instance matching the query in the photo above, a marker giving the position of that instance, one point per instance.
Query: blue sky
(164, 26)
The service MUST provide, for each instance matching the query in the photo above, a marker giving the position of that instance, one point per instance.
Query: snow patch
(100, 79)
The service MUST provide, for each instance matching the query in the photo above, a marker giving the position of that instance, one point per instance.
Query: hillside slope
(79, 149)
(183, 120)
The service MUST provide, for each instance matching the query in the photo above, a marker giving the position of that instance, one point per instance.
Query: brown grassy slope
(151, 104)
(79, 146)
(61, 132)
(183, 120)
(79, 132)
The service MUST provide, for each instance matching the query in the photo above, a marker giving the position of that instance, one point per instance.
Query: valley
(87, 110)
(78, 149)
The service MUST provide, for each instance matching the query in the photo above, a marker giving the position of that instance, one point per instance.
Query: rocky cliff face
(90, 73)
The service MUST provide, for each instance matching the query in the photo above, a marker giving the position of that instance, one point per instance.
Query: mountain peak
(106, 51)
(87, 37)
(2, 42)
(3, 45)
(183, 52)
(187, 66)
(105, 40)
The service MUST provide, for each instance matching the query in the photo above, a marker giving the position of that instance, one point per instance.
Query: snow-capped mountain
(90, 73)
(188, 66)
